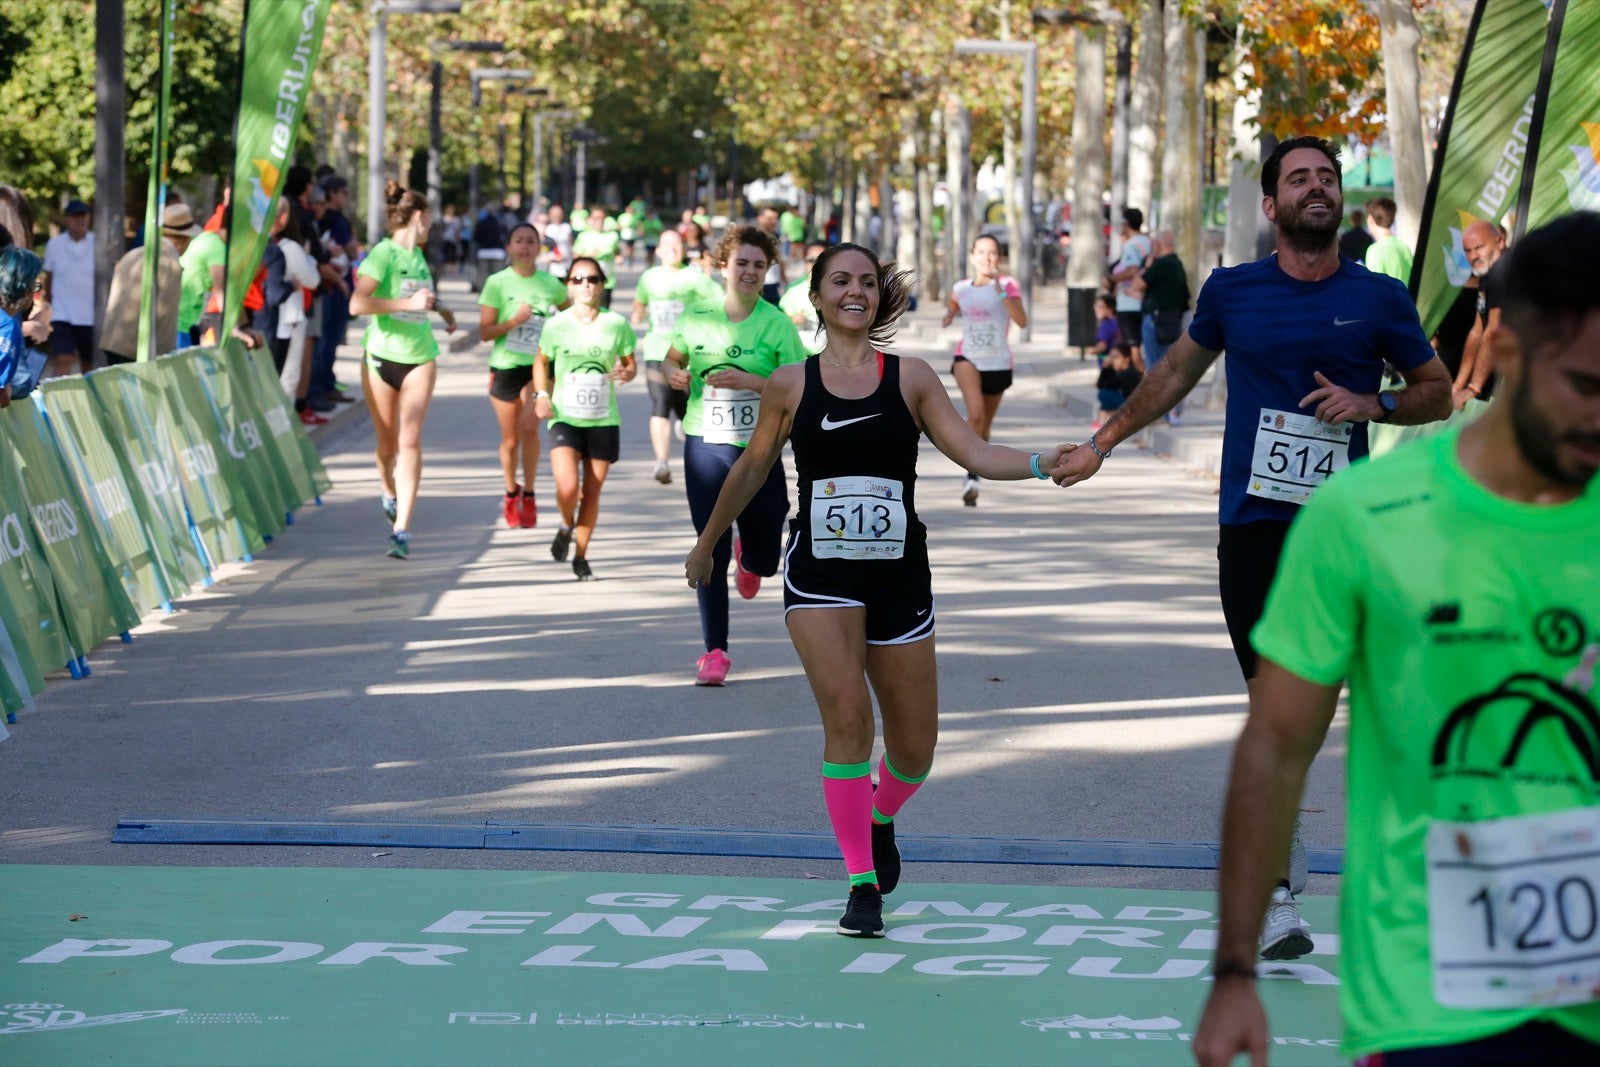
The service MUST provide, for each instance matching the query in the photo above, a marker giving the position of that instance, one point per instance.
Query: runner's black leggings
(705, 468)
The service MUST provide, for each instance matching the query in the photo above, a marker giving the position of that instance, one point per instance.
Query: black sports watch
(1390, 403)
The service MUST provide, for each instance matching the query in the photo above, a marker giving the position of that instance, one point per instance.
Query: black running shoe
(580, 567)
(863, 915)
(559, 545)
(885, 856)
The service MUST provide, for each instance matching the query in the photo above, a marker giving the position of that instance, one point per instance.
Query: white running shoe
(1284, 936)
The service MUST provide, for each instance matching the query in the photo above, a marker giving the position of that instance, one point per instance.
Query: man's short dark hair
(1549, 281)
(295, 182)
(1274, 164)
(333, 183)
(1133, 217)
(1382, 210)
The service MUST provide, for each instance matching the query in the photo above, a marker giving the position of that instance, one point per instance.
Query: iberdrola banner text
(282, 39)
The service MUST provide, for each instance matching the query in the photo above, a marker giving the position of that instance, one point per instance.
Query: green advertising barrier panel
(306, 966)
(214, 504)
(27, 591)
(82, 439)
(132, 402)
(17, 675)
(89, 594)
(245, 438)
(258, 514)
(297, 456)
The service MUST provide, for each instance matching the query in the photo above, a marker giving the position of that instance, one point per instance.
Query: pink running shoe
(713, 668)
(747, 582)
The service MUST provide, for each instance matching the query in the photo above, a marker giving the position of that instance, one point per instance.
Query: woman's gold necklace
(847, 366)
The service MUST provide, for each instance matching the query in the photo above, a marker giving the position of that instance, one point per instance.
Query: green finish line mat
(171, 966)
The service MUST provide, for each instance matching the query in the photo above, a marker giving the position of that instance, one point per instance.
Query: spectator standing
(1136, 248)
(488, 247)
(1107, 335)
(119, 337)
(338, 239)
(1166, 298)
(1355, 241)
(19, 271)
(1387, 254)
(69, 289)
(204, 264)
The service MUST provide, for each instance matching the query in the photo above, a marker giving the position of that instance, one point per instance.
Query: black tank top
(860, 458)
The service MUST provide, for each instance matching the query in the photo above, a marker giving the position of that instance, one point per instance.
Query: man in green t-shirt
(202, 262)
(796, 303)
(1387, 254)
(600, 239)
(1456, 585)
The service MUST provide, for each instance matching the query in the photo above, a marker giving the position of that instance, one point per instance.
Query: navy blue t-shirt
(1277, 331)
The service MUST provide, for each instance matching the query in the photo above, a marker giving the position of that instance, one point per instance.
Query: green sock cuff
(864, 878)
(903, 778)
(880, 818)
(846, 770)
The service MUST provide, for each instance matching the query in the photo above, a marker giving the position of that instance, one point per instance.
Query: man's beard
(1537, 442)
(1304, 235)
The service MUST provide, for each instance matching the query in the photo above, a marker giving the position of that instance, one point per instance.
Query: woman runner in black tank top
(856, 591)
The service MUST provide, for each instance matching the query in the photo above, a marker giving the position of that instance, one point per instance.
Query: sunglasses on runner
(585, 279)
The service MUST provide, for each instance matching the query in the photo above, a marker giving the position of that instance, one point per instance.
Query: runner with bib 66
(858, 595)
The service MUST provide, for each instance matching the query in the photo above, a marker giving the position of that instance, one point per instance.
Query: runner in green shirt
(660, 297)
(723, 353)
(1456, 585)
(583, 353)
(796, 304)
(513, 309)
(600, 240)
(395, 287)
(202, 262)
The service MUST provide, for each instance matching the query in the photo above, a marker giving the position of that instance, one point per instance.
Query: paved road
(1087, 686)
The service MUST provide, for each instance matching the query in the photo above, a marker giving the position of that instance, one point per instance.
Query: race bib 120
(1514, 910)
(1295, 454)
(524, 340)
(858, 518)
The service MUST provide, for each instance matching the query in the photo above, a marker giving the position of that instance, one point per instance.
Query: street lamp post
(378, 96)
(479, 76)
(436, 130)
(538, 144)
(1021, 258)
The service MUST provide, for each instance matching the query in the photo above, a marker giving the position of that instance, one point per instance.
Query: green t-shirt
(796, 300)
(652, 228)
(666, 292)
(763, 342)
(206, 249)
(503, 291)
(792, 226)
(1456, 615)
(401, 336)
(1389, 255)
(601, 245)
(582, 356)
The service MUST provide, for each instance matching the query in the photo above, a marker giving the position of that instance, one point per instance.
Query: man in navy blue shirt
(1307, 335)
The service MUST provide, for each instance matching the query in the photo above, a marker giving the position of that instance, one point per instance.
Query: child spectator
(1107, 334)
(1118, 379)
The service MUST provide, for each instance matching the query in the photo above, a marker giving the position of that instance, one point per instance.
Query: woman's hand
(421, 300)
(624, 372)
(697, 566)
(449, 318)
(521, 315)
(542, 408)
(734, 379)
(678, 378)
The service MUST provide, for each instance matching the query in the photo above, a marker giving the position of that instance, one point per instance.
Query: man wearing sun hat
(119, 338)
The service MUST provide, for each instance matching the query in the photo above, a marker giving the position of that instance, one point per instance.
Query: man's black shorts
(1247, 561)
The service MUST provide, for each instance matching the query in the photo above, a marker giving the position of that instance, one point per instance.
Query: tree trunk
(888, 238)
(1244, 175)
(1144, 112)
(1086, 265)
(1407, 136)
(927, 171)
(958, 182)
(1119, 134)
(1180, 161)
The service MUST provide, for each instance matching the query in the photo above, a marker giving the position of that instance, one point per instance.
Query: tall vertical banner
(282, 39)
(1477, 169)
(1566, 173)
(150, 345)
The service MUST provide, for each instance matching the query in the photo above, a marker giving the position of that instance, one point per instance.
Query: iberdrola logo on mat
(262, 187)
(1583, 176)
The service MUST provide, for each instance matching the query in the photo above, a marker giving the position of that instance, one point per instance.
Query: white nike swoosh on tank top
(829, 424)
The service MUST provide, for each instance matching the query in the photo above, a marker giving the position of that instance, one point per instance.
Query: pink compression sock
(847, 790)
(894, 789)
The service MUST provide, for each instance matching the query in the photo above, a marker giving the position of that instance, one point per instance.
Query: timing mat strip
(685, 840)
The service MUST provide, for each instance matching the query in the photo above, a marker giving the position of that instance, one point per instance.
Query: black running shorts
(603, 443)
(507, 383)
(898, 612)
(665, 401)
(990, 382)
(389, 372)
(1247, 561)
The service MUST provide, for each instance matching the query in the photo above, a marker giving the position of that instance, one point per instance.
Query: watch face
(1389, 402)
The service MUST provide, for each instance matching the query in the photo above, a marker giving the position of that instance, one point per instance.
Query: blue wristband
(1033, 465)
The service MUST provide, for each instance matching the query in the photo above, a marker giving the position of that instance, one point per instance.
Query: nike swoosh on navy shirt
(1337, 321)
(829, 424)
